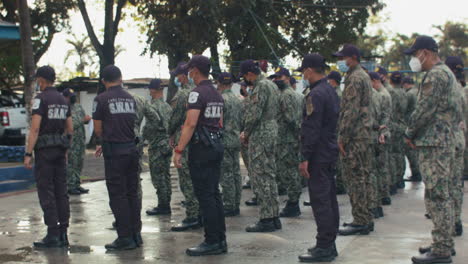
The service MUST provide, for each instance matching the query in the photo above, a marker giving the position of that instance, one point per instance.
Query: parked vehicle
(13, 119)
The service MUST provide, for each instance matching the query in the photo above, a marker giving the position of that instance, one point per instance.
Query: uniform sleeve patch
(193, 97)
(36, 103)
(95, 104)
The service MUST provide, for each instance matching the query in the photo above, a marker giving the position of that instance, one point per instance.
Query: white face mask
(342, 65)
(415, 64)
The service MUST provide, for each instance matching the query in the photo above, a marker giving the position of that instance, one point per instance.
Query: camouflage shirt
(157, 114)
(140, 103)
(399, 112)
(232, 118)
(376, 111)
(179, 109)
(431, 122)
(386, 114)
(412, 96)
(355, 122)
(261, 112)
(289, 116)
(459, 125)
(78, 114)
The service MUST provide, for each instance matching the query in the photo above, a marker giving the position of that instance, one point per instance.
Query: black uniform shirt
(116, 108)
(320, 117)
(209, 101)
(54, 110)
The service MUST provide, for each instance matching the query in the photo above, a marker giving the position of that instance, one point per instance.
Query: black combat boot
(186, 224)
(401, 184)
(458, 228)
(416, 177)
(277, 223)
(252, 202)
(246, 185)
(371, 225)
(355, 230)
(160, 210)
(264, 225)
(386, 201)
(380, 211)
(423, 250)
(205, 249)
(231, 213)
(291, 210)
(375, 212)
(138, 239)
(393, 189)
(64, 239)
(319, 255)
(74, 191)
(122, 243)
(430, 258)
(83, 190)
(48, 241)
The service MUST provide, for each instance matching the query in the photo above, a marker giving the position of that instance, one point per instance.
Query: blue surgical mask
(37, 88)
(191, 81)
(342, 66)
(305, 83)
(177, 82)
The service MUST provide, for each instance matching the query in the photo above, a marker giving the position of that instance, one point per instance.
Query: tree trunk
(216, 66)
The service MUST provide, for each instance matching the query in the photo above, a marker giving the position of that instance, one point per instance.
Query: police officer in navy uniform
(114, 114)
(49, 137)
(202, 130)
(320, 151)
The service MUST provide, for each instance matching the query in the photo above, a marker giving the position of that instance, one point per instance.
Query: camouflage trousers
(160, 165)
(75, 164)
(412, 156)
(465, 158)
(373, 188)
(456, 187)
(231, 179)
(399, 162)
(436, 167)
(356, 167)
(340, 185)
(192, 210)
(384, 179)
(287, 167)
(263, 176)
(244, 151)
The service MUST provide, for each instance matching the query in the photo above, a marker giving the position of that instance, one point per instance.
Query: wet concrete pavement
(396, 239)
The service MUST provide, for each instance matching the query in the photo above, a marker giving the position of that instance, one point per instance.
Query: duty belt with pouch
(53, 141)
(206, 137)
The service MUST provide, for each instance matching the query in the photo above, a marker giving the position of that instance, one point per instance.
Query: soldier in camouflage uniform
(157, 113)
(287, 147)
(411, 154)
(354, 139)
(179, 109)
(231, 179)
(456, 65)
(430, 130)
(260, 131)
(77, 150)
(334, 79)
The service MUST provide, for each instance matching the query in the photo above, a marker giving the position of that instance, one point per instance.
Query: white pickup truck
(13, 123)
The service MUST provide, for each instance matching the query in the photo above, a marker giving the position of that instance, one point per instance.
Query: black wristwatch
(27, 154)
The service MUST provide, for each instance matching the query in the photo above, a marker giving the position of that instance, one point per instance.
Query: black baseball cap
(396, 77)
(281, 72)
(382, 70)
(111, 73)
(180, 69)
(155, 84)
(348, 50)
(334, 75)
(407, 80)
(68, 92)
(375, 76)
(202, 63)
(454, 63)
(292, 81)
(225, 78)
(46, 72)
(248, 66)
(422, 42)
(312, 61)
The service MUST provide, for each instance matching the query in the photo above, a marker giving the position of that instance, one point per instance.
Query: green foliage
(10, 65)
(454, 40)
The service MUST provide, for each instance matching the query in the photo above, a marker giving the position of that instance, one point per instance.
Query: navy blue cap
(111, 73)
(375, 76)
(155, 84)
(312, 61)
(180, 69)
(396, 77)
(292, 81)
(68, 92)
(348, 50)
(422, 42)
(46, 72)
(381, 70)
(281, 72)
(202, 63)
(248, 66)
(334, 75)
(455, 63)
(407, 80)
(225, 78)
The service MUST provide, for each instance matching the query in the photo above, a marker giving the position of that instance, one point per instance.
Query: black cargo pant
(51, 182)
(121, 170)
(322, 192)
(205, 171)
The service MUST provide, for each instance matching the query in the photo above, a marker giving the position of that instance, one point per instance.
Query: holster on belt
(53, 141)
(203, 135)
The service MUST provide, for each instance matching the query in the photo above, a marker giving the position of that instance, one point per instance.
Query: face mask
(305, 83)
(177, 82)
(342, 66)
(281, 84)
(415, 64)
(37, 87)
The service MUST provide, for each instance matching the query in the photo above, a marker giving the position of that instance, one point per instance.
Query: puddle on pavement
(149, 229)
(76, 249)
(23, 226)
(20, 256)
